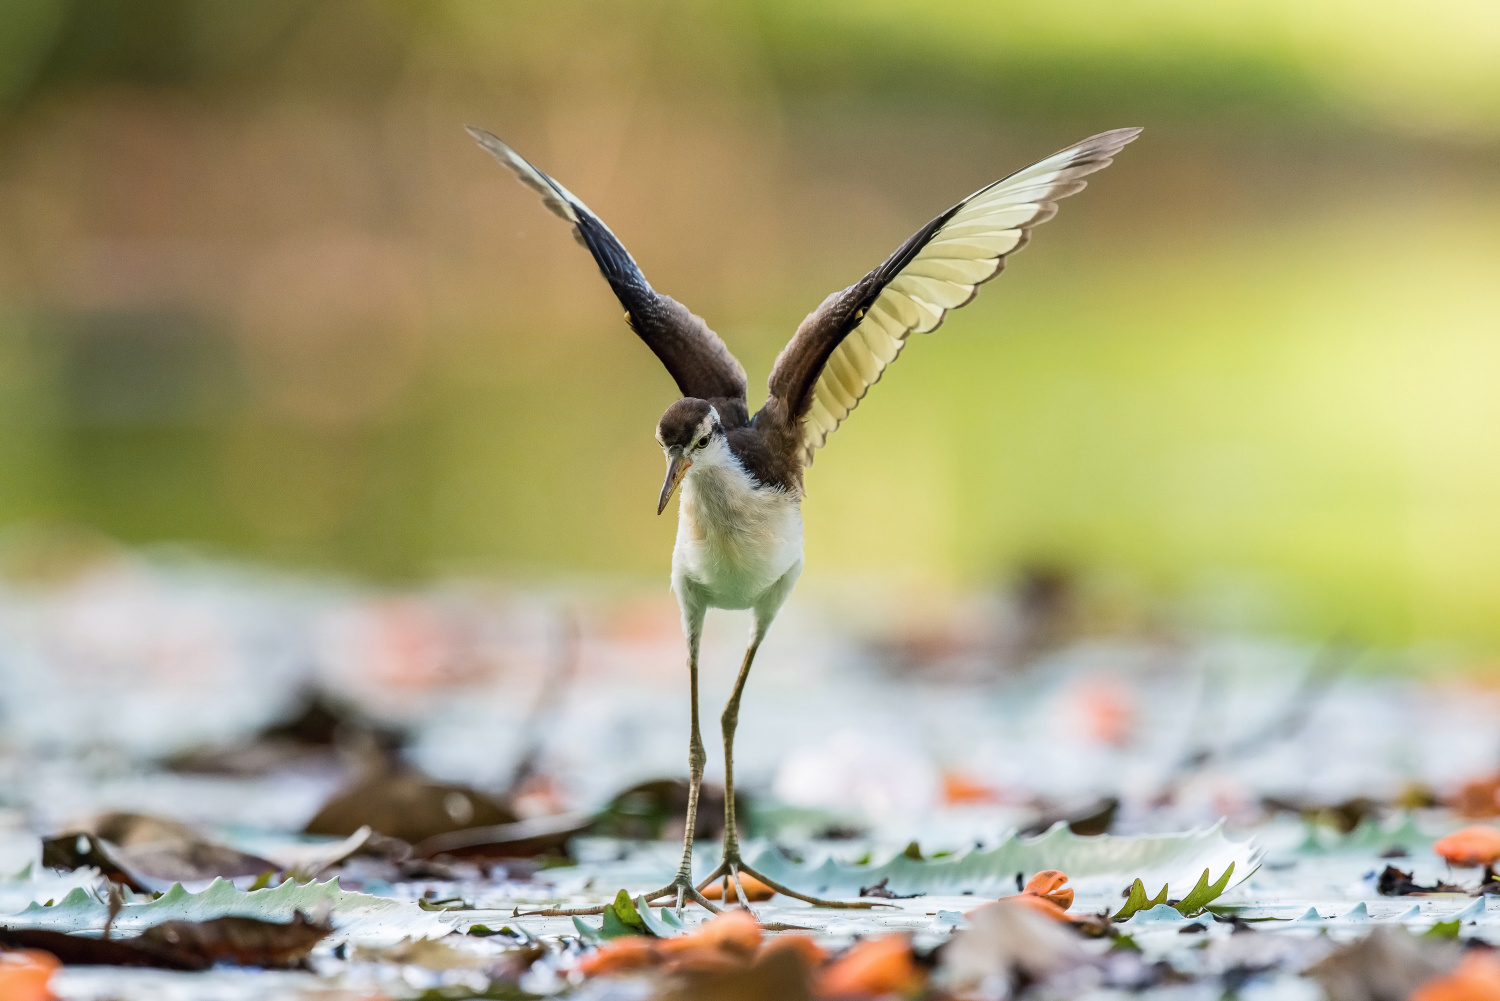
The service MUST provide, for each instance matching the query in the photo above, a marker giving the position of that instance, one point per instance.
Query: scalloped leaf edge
(360, 917)
(1107, 861)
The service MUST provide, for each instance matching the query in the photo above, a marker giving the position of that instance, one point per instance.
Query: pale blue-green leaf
(1105, 863)
(586, 931)
(357, 917)
(654, 920)
(1158, 914)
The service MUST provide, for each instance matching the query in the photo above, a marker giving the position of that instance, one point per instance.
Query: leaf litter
(1042, 863)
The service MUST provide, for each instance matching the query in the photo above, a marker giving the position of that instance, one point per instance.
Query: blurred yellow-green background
(260, 294)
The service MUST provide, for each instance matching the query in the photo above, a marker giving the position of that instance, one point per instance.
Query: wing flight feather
(693, 354)
(845, 345)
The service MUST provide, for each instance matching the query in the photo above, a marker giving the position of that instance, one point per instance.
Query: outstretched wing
(844, 345)
(692, 353)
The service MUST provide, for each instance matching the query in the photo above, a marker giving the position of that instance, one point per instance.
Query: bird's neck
(723, 494)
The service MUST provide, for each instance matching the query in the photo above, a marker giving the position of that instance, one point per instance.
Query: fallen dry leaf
(1050, 884)
(1394, 882)
(734, 932)
(1477, 978)
(182, 945)
(960, 789)
(755, 890)
(1386, 965)
(873, 967)
(777, 975)
(1477, 845)
(404, 804)
(804, 945)
(729, 941)
(24, 974)
(242, 941)
(630, 952)
(148, 853)
(1040, 905)
(1479, 798)
(1005, 943)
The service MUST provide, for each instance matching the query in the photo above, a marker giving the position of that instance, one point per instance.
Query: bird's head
(690, 433)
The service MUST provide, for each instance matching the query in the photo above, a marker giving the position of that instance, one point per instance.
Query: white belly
(734, 541)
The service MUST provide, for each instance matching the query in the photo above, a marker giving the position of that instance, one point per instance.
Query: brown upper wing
(693, 354)
(844, 346)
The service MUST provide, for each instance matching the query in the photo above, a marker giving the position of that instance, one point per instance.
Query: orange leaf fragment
(1479, 798)
(633, 952)
(1049, 884)
(24, 974)
(1477, 978)
(813, 955)
(874, 966)
(734, 933)
(1041, 905)
(754, 889)
(959, 788)
(1476, 845)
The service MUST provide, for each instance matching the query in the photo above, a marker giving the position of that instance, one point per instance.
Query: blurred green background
(260, 293)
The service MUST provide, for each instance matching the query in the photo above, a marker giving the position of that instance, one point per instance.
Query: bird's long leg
(729, 721)
(733, 865)
(681, 887)
(697, 758)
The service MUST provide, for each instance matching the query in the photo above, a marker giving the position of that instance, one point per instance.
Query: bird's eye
(703, 443)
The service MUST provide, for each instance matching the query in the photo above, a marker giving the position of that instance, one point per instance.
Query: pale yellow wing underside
(968, 250)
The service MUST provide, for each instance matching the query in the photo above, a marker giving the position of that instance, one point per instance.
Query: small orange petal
(1049, 884)
(24, 974)
(813, 954)
(1041, 905)
(1477, 978)
(704, 959)
(735, 933)
(1471, 846)
(874, 966)
(958, 788)
(632, 952)
(1479, 798)
(754, 889)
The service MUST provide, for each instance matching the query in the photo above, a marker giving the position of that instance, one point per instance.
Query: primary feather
(845, 345)
(695, 357)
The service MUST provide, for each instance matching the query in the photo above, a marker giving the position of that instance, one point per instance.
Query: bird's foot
(733, 867)
(681, 888)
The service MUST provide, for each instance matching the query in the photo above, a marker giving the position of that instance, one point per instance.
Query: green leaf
(624, 909)
(1203, 893)
(656, 923)
(1138, 901)
(1443, 929)
(913, 851)
(621, 918)
(485, 931)
(1196, 902)
(586, 931)
(446, 904)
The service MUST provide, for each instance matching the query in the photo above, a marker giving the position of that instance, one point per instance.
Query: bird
(739, 522)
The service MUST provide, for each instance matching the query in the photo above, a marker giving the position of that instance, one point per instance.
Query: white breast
(735, 538)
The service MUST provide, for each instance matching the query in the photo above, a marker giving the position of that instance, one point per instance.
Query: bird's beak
(677, 468)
